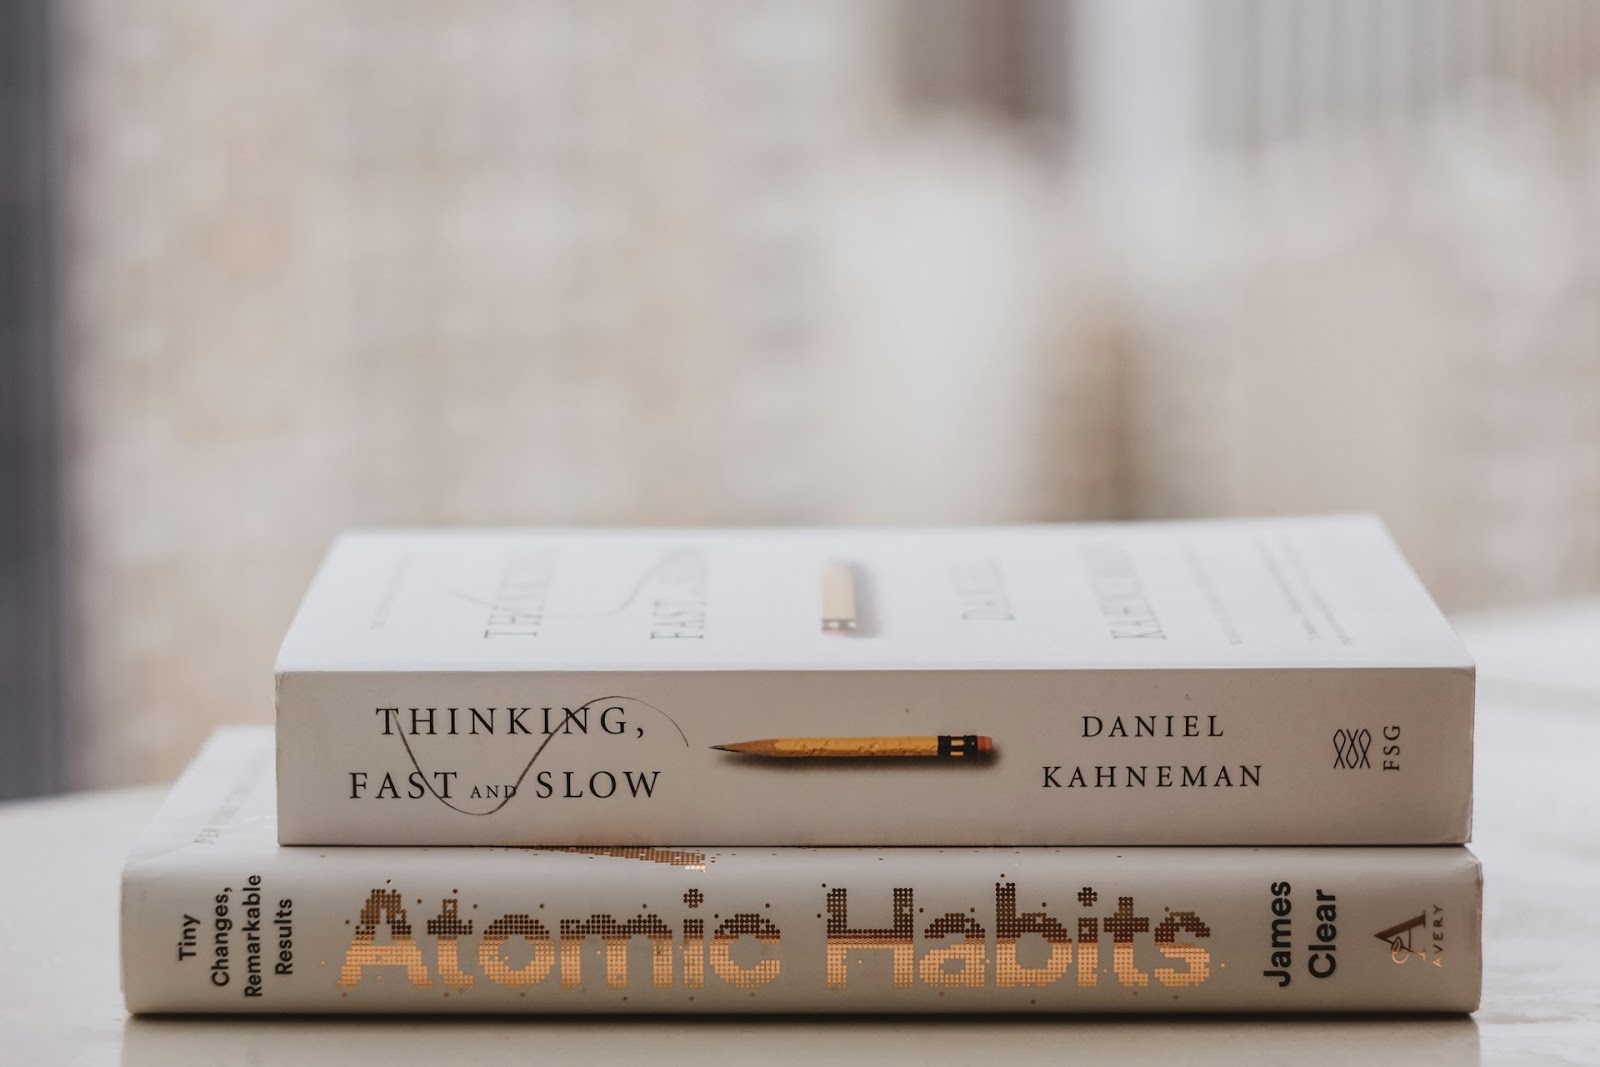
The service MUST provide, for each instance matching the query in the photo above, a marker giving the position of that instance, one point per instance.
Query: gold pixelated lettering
(898, 939)
(1010, 926)
(747, 924)
(449, 928)
(1197, 959)
(385, 907)
(1122, 926)
(969, 954)
(616, 936)
(498, 968)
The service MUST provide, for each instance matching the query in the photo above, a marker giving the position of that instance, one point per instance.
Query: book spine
(1216, 756)
(797, 930)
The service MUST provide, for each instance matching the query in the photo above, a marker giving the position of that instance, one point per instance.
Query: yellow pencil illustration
(946, 746)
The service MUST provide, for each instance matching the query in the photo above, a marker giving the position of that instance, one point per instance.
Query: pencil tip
(720, 748)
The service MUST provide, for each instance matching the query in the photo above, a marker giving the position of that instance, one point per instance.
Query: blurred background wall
(790, 261)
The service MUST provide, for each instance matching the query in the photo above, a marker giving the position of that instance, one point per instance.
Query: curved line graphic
(517, 785)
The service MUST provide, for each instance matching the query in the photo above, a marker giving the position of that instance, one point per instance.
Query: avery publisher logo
(1420, 937)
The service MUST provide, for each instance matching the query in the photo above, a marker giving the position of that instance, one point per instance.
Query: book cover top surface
(218, 917)
(1293, 592)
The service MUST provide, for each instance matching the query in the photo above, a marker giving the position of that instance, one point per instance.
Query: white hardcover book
(217, 917)
(1272, 681)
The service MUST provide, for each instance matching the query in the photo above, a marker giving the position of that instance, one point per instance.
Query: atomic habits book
(217, 917)
(1283, 681)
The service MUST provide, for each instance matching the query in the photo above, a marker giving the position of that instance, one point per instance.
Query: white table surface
(1538, 832)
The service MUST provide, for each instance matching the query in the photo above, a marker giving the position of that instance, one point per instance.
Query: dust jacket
(217, 917)
(1261, 682)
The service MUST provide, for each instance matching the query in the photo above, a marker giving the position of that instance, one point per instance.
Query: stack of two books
(1139, 767)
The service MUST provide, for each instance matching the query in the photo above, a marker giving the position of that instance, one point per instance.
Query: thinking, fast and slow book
(1270, 681)
(217, 917)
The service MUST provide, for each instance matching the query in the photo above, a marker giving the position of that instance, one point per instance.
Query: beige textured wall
(342, 263)
(352, 263)
(1406, 325)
